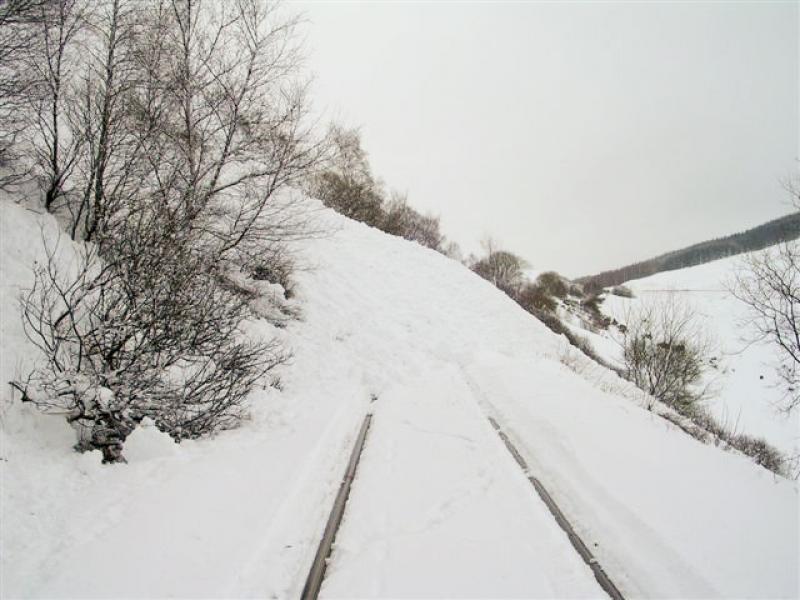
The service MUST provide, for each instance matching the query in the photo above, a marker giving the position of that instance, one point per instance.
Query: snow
(187, 522)
(436, 495)
(148, 443)
(438, 508)
(748, 393)
(666, 515)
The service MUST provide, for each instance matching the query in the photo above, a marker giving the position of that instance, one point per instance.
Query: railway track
(316, 574)
(580, 546)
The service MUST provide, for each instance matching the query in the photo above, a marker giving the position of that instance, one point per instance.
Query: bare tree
(347, 184)
(18, 25)
(769, 284)
(535, 299)
(189, 104)
(172, 152)
(402, 220)
(553, 284)
(110, 177)
(122, 342)
(503, 269)
(54, 145)
(667, 352)
(230, 127)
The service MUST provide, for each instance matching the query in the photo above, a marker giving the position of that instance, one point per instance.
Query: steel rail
(580, 547)
(317, 573)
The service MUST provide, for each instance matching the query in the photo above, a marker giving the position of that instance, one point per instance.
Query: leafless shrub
(762, 452)
(622, 291)
(552, 322)
(121, 342)
(575, 289)
(18, 22)
(502, 268)
(191, 108)
(275, 264)
(596, 318)
(700, 424)
(403, 221)
(174, 146)
(553, 284)
(532, 297)
(769, 284)
(666, 352)
(452, 250)
(52, 139)
(347, 184)
(357, 200)
(603, 376)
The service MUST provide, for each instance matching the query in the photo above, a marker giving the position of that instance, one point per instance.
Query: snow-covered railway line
(316, 574)
(439, 511)
(580, 546)
(318, 567)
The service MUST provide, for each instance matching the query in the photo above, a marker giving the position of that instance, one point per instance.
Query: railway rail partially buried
(580, 547)
(317, 573)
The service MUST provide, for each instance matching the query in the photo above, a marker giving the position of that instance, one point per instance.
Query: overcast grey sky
(582, 136)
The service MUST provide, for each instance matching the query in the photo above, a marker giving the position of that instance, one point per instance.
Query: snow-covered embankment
(438, 507)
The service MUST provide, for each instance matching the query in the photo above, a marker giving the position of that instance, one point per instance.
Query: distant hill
(757, 238)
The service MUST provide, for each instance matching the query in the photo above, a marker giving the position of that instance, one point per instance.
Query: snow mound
(146, 442)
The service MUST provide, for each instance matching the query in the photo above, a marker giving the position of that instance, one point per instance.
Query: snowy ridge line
(318, 567)
(580, 547)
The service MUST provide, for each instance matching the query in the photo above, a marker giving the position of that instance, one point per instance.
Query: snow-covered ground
(438, 508)
(748, 395)
(436, 496)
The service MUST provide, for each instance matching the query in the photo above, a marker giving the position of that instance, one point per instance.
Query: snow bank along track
(317, 572)
(577, 543)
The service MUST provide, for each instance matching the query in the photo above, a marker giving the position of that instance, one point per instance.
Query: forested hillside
(757, 238)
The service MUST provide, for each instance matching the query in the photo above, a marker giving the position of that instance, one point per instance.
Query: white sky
(582, 136)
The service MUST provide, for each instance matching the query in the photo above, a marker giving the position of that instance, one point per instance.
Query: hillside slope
(755, 238)
(748, 394)
(438, 509)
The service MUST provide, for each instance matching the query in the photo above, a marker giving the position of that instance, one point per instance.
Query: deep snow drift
(438, 508)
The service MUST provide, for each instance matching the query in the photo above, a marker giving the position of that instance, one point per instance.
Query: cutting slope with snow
(438, 507)
(749, 395)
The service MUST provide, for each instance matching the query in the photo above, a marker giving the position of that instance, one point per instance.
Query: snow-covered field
(438, 508)
(748, 395)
